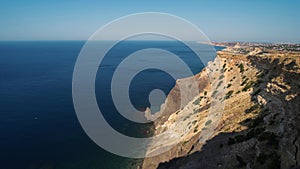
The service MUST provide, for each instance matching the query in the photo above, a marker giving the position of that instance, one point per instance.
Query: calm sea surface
(38, 124)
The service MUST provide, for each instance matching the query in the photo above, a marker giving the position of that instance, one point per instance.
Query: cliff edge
(244, 116)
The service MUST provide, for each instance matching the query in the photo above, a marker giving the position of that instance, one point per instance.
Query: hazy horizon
(245, 21)
(84, 40)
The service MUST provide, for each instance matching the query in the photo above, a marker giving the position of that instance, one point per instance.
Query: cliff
(245, 115)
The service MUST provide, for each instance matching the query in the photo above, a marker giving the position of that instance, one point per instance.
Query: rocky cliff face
(244, 116)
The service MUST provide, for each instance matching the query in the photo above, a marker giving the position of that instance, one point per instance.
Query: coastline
(253, 63)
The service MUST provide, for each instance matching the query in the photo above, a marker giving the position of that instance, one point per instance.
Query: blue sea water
(38, 124)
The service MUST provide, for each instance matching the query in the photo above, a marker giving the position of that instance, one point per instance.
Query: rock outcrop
(245, 114)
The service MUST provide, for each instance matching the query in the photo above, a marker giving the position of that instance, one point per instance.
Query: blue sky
(227, 20)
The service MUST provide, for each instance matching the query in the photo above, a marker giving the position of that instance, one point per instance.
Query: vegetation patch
(196, 110)
(241, 66)
(185, 142)
(228, 94)
(194, 122)
(185, 118)
(198, 100)
(256, 92)
(257, 121)
(244, 81)
(208, 123)
(214, 93)
(260, 75)
(252, 108)
(232, 78)
(219, 84)
(196, 129)
(249, 85)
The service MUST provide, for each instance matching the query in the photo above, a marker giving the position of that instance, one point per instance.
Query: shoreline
(241, 93)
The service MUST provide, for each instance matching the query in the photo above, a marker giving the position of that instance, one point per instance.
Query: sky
(227, 20)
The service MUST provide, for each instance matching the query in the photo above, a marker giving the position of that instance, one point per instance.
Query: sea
(39, 128)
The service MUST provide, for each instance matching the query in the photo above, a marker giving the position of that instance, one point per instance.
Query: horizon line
(234, 41)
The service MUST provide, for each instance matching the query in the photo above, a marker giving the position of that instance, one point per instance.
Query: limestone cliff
(245, 115)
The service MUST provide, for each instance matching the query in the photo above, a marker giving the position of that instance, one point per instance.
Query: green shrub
(241, 66)
(185, 142)
(198, 100)
(196, 129)
(194, 122)
(248, 86)
(208, 123)
(256, 92)
(260, 75)
(252, 108)
(244, 81)
(228, 94)
(214, 93)
(219, 84)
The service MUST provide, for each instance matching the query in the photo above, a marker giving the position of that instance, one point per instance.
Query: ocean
(38, 124)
